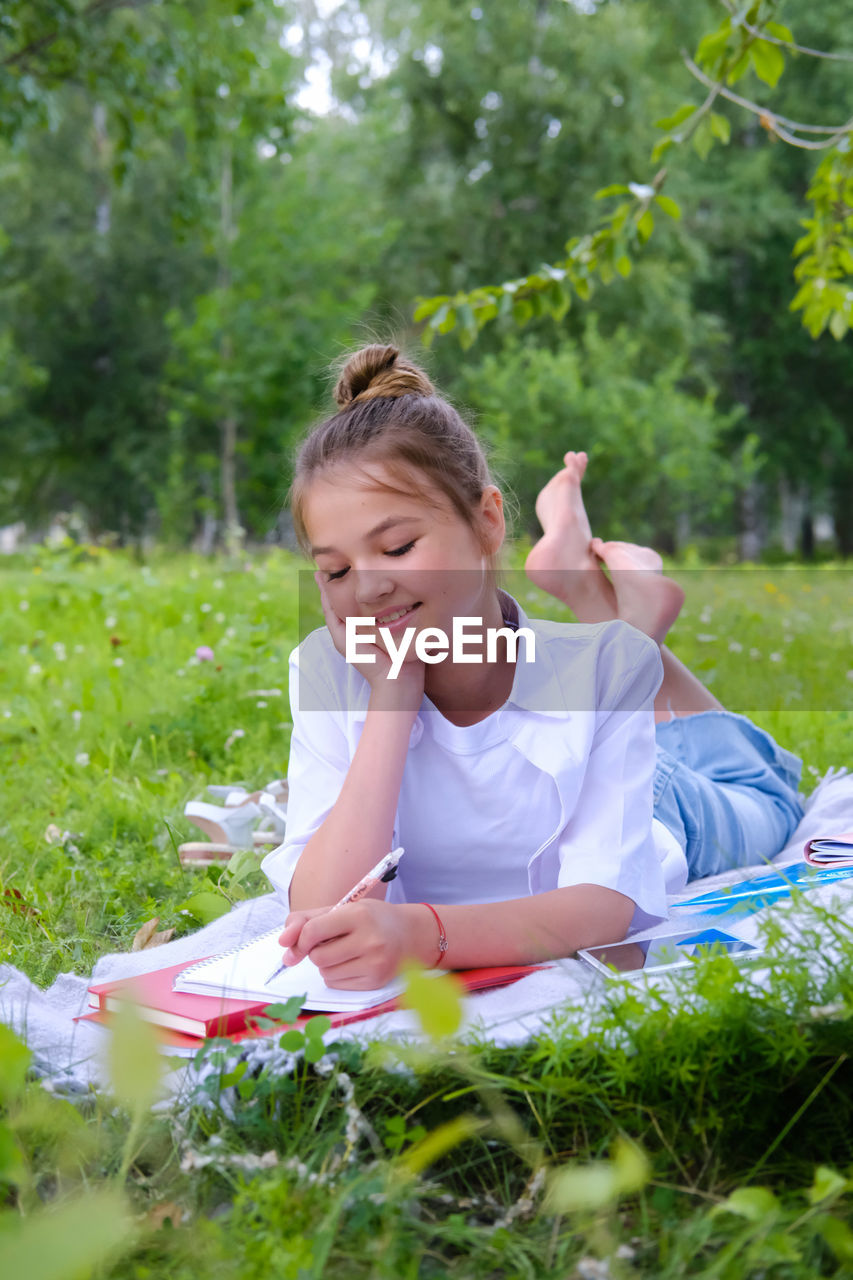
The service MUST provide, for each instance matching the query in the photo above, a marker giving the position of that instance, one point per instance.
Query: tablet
(665, 952)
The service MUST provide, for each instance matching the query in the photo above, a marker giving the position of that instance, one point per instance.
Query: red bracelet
(442, 936)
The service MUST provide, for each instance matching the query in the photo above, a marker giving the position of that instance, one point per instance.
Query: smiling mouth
(387, 619)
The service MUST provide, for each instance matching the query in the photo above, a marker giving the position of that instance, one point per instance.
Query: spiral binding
(223, 955)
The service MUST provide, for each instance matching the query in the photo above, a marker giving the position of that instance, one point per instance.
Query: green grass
(107, 728)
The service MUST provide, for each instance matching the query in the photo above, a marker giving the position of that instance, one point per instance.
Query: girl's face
(406, 560)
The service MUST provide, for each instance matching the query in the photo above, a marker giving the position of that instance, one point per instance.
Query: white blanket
(71, 1058)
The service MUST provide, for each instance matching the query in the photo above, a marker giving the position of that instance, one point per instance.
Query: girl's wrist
(425, 934)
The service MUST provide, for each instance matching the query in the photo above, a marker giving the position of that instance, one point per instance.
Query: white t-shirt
(465, 841)
(553, 789)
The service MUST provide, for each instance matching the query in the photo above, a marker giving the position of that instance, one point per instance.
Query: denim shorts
(725, 789)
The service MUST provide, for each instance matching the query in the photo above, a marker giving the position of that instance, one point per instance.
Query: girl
(541, 807)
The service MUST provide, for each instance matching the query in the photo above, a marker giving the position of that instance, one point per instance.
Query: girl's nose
(372, 585)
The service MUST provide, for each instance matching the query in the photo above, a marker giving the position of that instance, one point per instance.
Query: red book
(201, 1016)
(156, 1002)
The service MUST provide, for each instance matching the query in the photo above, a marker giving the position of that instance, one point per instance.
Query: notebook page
(243, 972)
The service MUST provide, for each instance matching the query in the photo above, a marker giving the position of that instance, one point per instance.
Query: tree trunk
(790, 514)
(751, 540)
(807, 538)
(842, 511)
(232, 532)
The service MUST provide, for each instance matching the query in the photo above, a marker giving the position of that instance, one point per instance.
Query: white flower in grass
(82, 757)
(76, 716)
(78, 648)
(186, 617)
(850, 675)
(205, 608)
(707, 614)
(7, 714)
(755, 653)
(23, 648)
(35, 669)
(735, 646)
(218, 583)
(775, 657)
(704, 638)
(110, 621)
(193, 574)
(263, 595)
(180, 672)
(260, 704)
(24, 605)
(219, 617)
(233, 736)
(231, 633)
(118, 662)
(59, 651)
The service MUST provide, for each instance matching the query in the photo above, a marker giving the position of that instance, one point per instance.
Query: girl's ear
(491, 519)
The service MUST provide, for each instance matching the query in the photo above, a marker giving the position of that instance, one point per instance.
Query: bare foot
(562, 561)
(644, 596)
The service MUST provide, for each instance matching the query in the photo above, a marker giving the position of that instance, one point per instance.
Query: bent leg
(569, 564)
(726, 791)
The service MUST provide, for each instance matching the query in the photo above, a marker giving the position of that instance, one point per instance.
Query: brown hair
(390, 413)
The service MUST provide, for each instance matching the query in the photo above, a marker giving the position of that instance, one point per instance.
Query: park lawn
(109, 723)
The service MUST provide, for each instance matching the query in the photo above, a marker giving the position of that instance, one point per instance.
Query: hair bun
(380, 371)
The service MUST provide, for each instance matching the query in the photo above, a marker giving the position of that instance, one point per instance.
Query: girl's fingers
(291, 935)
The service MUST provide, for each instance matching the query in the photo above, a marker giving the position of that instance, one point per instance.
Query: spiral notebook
(241, 973)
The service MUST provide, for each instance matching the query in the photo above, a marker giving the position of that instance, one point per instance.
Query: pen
(385, 870)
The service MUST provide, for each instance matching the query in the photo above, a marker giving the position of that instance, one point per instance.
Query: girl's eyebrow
(389, 523)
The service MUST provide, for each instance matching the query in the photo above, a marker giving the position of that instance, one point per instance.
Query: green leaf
(738, 69)
(587, 1187)
(712, 47)
(135, 1062)
(448, 321)
(288, 1011)
(314, 1050)
(436, 1000)
(440, 1141)
(660, 147)
(780, 31)
(827, 1183)
(678, 117)
(316, 1028)
(235, 1076)
(206, 906)
(241, 865)
(522, 311)
(669, 206)
(753, 1203)
(768, 61)
(837, 1235)
(615, 189)
(428, 306)
(14, 1062)
(838, 325)
(624, 265)
(645, 225)
(721, 127)
(703, 139)
(66, 1243)
(292, 1040)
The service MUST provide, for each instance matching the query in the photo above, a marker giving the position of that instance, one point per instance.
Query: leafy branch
(747, 39)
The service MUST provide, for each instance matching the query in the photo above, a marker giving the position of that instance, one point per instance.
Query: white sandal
(229, 828)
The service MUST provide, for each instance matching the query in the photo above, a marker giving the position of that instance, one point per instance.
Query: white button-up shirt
(582, 713)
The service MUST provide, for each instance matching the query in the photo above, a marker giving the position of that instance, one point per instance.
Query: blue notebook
(746, 896)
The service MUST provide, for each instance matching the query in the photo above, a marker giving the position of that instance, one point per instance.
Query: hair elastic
(442, 936)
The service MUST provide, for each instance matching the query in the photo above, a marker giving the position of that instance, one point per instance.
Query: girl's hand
(357, 947)
(406, 690)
